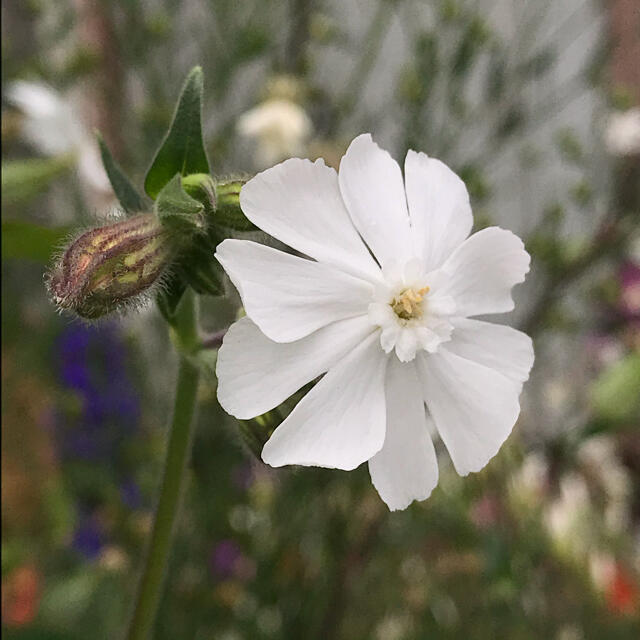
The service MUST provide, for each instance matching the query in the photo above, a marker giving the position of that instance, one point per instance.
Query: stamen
(407, 305)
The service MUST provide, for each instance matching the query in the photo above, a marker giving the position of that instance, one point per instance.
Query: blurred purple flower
(242, 476)
(88, 537)
(224, 559)
(130, 494)
(228, 561)
(93, 364)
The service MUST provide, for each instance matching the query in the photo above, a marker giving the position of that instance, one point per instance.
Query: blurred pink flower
(629, 276)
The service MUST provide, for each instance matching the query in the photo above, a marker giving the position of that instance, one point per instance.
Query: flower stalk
(185, 337)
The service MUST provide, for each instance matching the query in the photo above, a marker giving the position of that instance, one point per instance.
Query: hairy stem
(150, 588)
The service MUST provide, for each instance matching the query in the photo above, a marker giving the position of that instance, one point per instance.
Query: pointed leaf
(128, 196)
(182, 150)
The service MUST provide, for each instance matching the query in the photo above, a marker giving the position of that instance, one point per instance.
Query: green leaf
(615, 392)
(182, 150)
(170, 295)
(176, 208)
(23, 180)
(128, 196)
(25, 240)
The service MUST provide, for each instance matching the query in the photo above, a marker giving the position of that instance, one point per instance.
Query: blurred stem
(299, 18)
(607, 239)
(360, 74)
(150, 588)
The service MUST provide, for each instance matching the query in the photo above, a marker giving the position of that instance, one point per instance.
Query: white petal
(381, 314)
(480, 273)
(493, 345)
(290, 297)
(373, 191)
(428, 339)
(340, 423)
(299, 203)
(256, 374)
(474, 407)
(406, 345)
(50, 124)
(389, 336)
(439, 208)
(406, 468)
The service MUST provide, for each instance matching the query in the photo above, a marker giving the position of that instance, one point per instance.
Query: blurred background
(537, 106)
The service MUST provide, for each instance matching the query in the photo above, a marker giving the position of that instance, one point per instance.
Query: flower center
(408, 304)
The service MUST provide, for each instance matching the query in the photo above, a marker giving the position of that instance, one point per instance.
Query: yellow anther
(407, 305)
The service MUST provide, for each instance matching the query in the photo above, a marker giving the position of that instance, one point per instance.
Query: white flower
(622, 135)
(280, 128)
(388, 321)
(568, 516)
(52, 126)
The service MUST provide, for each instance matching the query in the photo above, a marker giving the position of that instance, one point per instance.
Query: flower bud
(201, 187)
(228, 212)
(107, 268)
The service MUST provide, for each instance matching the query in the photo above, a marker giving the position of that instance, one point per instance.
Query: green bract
(126, 193)
(182, 150)
(178, 210)
(192, 213)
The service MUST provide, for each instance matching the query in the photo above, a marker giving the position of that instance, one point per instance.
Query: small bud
(106, 268)
(201, 187)
(228, 212)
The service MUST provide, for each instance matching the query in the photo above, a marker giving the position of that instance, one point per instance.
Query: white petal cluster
(279, 127)
(622, 134)
(383, 306)
(53, 127)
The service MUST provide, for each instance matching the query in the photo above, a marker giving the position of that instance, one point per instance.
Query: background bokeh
(537, 106)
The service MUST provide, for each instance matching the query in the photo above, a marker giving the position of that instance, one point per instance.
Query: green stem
(150, 588)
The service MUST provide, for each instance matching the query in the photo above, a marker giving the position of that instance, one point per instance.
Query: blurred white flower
(598, 455)
(389, 320)
(53, 127)
(530, 481)
(393, 627)
(565, 516)
(114, 559)
(602, 567)
(570, 632)
(622, 134)
(279, 127)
